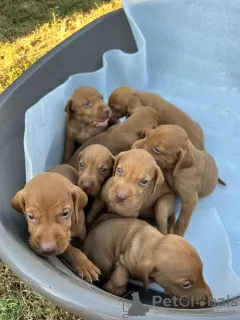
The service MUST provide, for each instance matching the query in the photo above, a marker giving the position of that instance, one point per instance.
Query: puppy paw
(118, 291)
(88, 271)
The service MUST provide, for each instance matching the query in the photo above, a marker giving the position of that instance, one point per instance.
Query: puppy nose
(86, 185)
(121, 196)
(48, 249)
(107, 111)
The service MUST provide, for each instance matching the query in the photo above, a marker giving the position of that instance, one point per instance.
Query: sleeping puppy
(95, 165)
(87, 116)
(192, 173)
(137, 189)
(120, 99)
(53, 208)
(120, 137)
(126, 247)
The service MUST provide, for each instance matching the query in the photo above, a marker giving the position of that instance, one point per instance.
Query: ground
(29, 29)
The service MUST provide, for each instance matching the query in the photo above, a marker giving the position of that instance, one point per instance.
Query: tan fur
(126, 247)
(46, 198)
(122, 102)
(84, 121)
(67, 171)
(155, 198)
(121, 136)
(192, 173)
(95, 164)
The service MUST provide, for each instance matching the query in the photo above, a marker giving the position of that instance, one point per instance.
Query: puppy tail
(222, 182)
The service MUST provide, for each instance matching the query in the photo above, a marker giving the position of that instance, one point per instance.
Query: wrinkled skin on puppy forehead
(137, 163)
(168, 137)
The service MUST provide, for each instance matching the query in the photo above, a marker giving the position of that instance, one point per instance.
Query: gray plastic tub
(50, 277)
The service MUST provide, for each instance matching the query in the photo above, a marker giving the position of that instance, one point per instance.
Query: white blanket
(188, 51)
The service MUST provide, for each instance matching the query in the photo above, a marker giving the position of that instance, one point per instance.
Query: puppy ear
(80, 200)
(18, 201)
(117, 158)
(68, 108)
(185, 160)
(159, 178)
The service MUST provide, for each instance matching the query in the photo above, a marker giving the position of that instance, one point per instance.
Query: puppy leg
(68, 148)
(164, 208)
(118, 282)
(81, 264)
(96, 207)
(188, 206)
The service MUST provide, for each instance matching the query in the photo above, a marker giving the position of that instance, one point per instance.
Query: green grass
(28, 30)
(18, 302)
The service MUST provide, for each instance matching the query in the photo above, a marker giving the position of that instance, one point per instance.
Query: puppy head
(95, 166)
(49, 202)
(135, 171)
(143, 121)
(176, 266)
(170, 147)
(87, 105)
(118, 102)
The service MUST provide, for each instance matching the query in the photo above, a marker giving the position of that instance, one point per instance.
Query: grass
(29, 29)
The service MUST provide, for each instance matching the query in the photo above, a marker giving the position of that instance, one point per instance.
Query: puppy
(126, 247)
(137, 189)
(169, 114)
(95, 164)
(192, 173)
(87, 116)
(53, 208)
(120, 137)
(67, 171)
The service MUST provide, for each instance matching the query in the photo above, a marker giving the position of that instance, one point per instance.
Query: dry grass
(18, 302)
(29, 29)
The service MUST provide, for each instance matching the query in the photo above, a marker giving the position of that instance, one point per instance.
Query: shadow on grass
(20, 17)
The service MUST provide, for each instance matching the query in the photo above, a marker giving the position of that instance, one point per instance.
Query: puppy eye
(81, 165)
(119, 170)
(65, 214)
(143, 182)
(156, 150)
(142, 134)
(87, 103)
(31, 218)
(187, 284)
(103, 170)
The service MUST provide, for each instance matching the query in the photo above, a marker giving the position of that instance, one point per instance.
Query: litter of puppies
(133, 170)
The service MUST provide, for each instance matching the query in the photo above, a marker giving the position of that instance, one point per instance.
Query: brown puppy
(192, 173)
(126, 247)
(169, 114)
(137, 189)
(120, 137)
(87, 116)
(67, 171)
(53, 207)
(95, 164)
